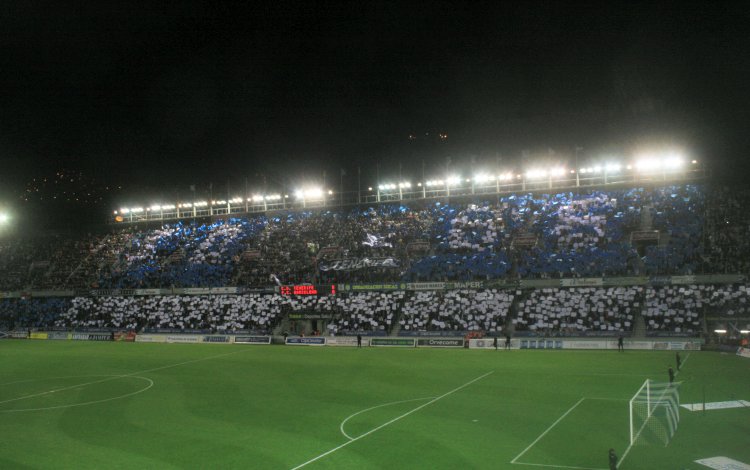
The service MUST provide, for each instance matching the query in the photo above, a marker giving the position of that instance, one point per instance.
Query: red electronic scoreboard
(308, 289)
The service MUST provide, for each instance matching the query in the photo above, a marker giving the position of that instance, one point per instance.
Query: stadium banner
(58, 335)
(52, 293)
(216, 339)
(38, 335)
(440, 343)
(683, 279)
(393, 342)
(310, 316)
(501, 284)
(743, 352)
(538, 283)
(19, 334)
(425, 285)
(369, 287)
(625, 281)
(99, 337)
(183, 339)
(346, 341)
(312, 341)
(427, 334)
(586, 344)
(252, 340)
(489, 343)
(541, 344)
(464, 285)
(151, 291)
(128, 336)
(150, 338)
(353, 264)
(660, 280)
(582, 282)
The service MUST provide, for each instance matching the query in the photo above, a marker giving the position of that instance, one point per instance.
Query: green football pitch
(137, 405)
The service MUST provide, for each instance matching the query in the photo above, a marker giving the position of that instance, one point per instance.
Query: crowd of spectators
(516, 236)
(457, 310)
(544, 311)
(574, 310)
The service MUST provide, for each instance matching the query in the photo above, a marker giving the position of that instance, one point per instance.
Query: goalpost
(654, 413)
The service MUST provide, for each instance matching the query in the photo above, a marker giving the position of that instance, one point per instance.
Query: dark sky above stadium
(156, 96)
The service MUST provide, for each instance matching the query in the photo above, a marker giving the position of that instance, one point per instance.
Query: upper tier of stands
(675, 230)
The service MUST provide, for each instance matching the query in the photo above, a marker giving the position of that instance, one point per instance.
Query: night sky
(158, 96)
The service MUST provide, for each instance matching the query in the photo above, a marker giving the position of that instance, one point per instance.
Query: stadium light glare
(744, 332)
(482, 178)
(137, 210)
(124, 210)
(557, 172)
(330, 191)
(536, 173)
(695, 162)
(612, 167)
(720, 331)
(309, 193)
(167, 207)
(4, 218)
(155, 207)
(419, 185)
(453, 180)
(405, 184)
(257, 198)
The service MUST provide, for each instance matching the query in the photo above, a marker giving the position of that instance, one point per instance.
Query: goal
(654, 413)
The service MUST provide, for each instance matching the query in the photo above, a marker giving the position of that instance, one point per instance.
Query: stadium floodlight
(167, 207)
(597, 169)
(124, 210)
(612, 167)
(257, 198)
(137, 210)
(201, 204)
(435, 183)
(155, 207)
(744, 332)
(4, 218)
(453, 180)
(273, 197)
(720, 331)
(404, 184)
(557, 172)
(482, 178)
(309, 193)
(536, 173)
(330, 192)
(236, 200)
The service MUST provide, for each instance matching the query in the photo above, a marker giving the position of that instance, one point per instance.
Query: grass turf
(137, 405)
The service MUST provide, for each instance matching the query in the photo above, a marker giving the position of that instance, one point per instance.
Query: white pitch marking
(341, 427)
(150, 384)
(113, 377)
(548, 430)
(391, 421)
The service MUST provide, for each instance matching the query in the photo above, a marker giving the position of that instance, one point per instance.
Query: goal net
(654, 413)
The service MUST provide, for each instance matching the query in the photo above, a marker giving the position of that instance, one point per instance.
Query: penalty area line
(355, 439)
(515, 460)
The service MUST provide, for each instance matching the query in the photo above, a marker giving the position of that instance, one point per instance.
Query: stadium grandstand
(598, 251)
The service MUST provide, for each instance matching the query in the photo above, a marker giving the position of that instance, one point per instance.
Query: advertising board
(440, 343)
(252, 339)
(313, 341)
(393, 342)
